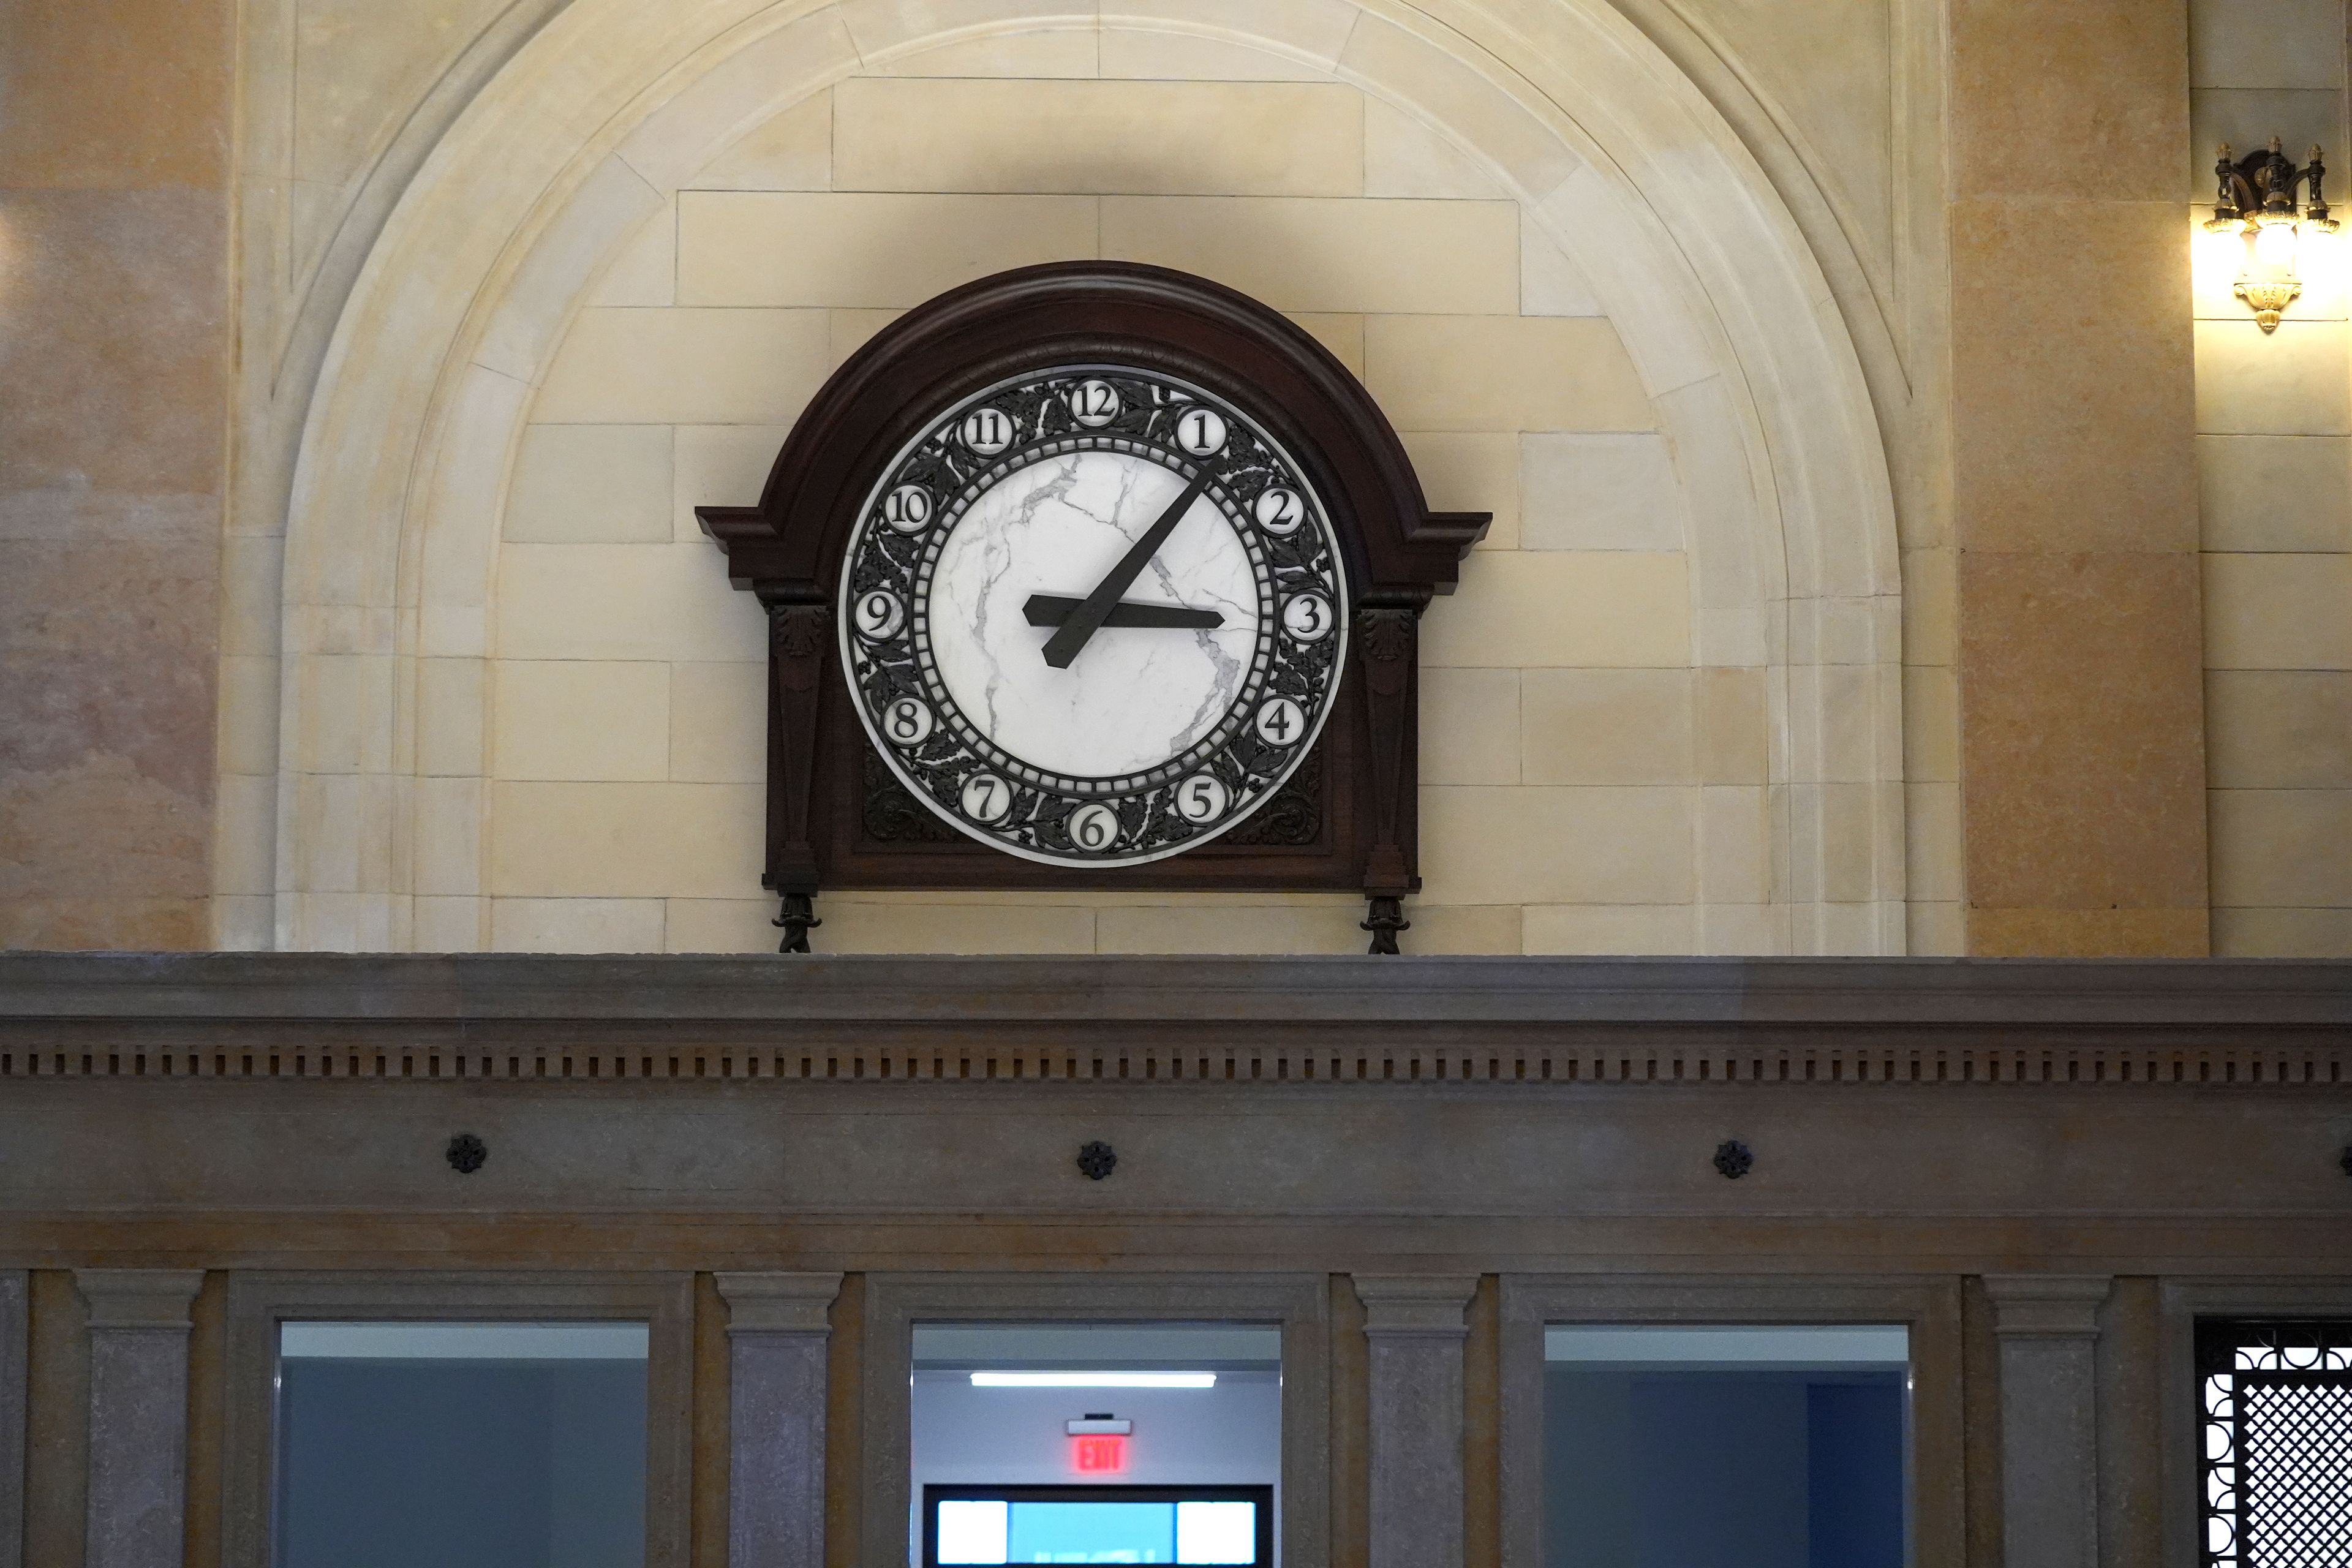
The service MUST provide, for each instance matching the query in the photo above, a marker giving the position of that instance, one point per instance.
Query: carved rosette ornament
(1093, 576)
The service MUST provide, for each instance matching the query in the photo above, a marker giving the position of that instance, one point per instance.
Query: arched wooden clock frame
(1345, 819)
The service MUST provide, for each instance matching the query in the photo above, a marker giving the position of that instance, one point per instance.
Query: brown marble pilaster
(2048, 1330)
(1415, 1326)
(777, 1328)
(2074, 486)
(115, 349)
(16, 1347)
(139, 1323)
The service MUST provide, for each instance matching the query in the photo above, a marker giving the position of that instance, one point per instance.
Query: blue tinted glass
(1092, 1532)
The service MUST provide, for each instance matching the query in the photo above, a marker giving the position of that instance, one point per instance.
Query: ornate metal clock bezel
(897, 666)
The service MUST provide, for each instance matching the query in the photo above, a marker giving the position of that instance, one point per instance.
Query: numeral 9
(880, 614)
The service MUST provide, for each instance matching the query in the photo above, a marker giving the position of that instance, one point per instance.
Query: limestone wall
(1587, 788)
(2274, 467)
(1664, 709)
(1443, 192)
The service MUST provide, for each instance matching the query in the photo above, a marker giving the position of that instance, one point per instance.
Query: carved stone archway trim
(586, 131)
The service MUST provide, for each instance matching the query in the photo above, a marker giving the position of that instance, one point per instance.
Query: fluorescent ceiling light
(462, 1341)
(1857, 1344)
(1094, 1380)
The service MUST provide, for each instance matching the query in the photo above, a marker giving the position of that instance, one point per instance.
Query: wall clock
(1095, 575)
(1093, 616)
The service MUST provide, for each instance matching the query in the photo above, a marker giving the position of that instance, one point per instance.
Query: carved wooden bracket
(799, 645)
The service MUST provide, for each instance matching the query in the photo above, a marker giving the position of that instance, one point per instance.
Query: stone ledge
(1406, 1022)
(359, 987)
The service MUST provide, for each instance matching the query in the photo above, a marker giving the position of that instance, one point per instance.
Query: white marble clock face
(1093, 616)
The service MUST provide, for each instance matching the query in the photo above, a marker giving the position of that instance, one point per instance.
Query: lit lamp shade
(2275, 241)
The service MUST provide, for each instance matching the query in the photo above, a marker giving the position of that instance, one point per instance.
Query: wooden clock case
(837, 817)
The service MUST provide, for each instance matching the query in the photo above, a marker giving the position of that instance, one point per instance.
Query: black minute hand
(1087, 619)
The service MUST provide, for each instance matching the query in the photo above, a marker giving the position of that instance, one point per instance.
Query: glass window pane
(1216, 1532)
(1092, 1532)
(973, 1531)
(1775, 1447)
(461, 1444)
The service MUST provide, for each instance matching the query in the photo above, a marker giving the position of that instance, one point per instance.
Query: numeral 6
(1094, 827)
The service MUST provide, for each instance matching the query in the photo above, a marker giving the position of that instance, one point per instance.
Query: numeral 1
(1201, 431)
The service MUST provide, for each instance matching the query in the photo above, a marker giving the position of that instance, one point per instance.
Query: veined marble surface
(1134, 695)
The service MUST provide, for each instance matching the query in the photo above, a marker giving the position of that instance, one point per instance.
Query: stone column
(777, 1326)
(1415, 1327)
(2048, 1327)
(138, 1413)
(2080, 704)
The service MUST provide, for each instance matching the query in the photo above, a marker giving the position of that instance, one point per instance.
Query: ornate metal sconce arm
(2232, 196)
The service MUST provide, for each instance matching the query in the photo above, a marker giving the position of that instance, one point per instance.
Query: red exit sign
(1095, 1455)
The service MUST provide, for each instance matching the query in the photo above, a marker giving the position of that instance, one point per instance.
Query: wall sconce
(2257, 198)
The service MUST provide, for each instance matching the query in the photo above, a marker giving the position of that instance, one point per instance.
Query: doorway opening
(1130, 1443)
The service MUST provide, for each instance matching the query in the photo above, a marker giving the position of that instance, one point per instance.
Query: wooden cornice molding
(1238, 1019)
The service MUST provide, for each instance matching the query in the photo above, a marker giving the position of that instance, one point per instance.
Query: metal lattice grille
(2297, 1457)
(2276, 1438)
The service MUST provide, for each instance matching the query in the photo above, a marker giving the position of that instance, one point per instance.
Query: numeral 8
(908, 721)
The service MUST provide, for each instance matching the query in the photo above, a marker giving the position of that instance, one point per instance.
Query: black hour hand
(1054, 610)
(1087, 619)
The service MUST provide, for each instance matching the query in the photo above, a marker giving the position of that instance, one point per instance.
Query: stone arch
(1726, 315)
